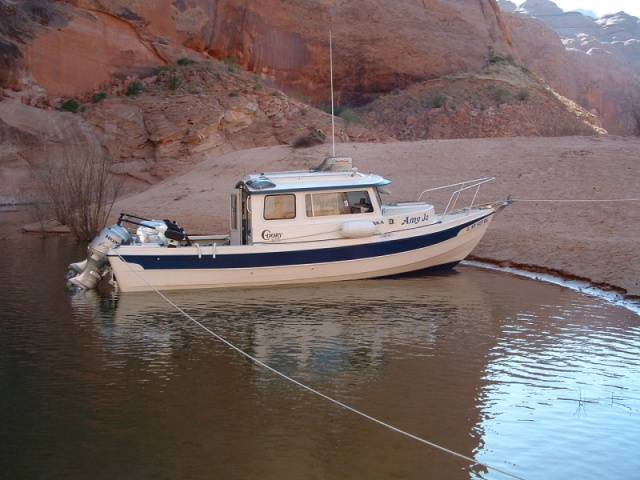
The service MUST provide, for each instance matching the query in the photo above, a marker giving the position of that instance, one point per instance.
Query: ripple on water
(528, 376)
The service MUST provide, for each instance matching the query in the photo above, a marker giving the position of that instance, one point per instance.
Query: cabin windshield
(337, 203)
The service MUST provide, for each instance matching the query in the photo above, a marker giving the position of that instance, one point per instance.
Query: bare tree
(78, 188)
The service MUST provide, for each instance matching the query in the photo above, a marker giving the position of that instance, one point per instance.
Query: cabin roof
(334, 173)
(281, 182)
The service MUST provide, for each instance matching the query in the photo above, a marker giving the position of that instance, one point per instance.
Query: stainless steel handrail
(464, 186)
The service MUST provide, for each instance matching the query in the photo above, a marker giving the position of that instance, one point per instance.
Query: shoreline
(567, 220)
(606, 293)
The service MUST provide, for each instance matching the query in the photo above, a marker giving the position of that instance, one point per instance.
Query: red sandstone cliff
(248, 57)
(380, 44)
(594, 62)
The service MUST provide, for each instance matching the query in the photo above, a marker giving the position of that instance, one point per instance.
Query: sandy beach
(576, 209)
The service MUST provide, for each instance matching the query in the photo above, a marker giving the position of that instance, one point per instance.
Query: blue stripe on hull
(302, 257)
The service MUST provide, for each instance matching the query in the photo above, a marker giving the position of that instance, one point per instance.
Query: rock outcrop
(30, 136)
(184, 115)
(286, 43)
(218, 75)
(500, 100)
(594, 62)
(91, 52)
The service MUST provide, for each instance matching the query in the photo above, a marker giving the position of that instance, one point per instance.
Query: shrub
(98, 97)
(70, 105)
(326, 108)
(500, 59)
(501, 95)
(163, 68)
(79, 189)
(135, 88)
(182, 61)
(524, 94)
(439, 100)
(350, 116)
(232, 63)
(173, 82)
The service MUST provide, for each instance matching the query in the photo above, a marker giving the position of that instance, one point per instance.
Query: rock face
(28, 135)
(594, 62)
(286, 42)
(500, 100)
(54, 51)
(151, 136)
(221, 75)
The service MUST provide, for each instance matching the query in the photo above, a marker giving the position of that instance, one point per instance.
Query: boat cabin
(330, 202)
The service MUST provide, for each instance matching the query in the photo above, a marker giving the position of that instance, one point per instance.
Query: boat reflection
(313, 330)
(478, 362)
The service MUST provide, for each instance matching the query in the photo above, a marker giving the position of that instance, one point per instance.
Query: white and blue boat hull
(440, 245)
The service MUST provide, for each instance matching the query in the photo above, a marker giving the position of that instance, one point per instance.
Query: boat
(323, 224)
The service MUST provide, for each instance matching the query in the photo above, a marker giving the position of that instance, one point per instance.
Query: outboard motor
(87, 274)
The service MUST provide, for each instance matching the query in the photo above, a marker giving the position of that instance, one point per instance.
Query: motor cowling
(87, 273)
(161, 232)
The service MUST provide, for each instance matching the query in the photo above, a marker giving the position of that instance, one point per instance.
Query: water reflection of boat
(319, 225)
(311, 328)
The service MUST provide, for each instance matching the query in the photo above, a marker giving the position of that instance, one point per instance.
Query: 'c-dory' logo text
(269, 235)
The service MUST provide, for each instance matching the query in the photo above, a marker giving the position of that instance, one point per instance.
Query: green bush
(350, 116)
(524, 94)
(501, 59)
(501, 95)
(326, 108)
(70, 105)
(135, 88)
(98, 97)
(439, 100)
(173, 82)
(182, 61)
(232, 63)
(163, 68)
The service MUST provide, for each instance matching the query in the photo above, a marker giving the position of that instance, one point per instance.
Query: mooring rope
(471, 461)
(614, 200)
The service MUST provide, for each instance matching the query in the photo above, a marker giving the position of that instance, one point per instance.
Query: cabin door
(245, 212)
(240, 218)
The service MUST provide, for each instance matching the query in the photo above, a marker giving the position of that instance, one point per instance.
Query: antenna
(333, 127)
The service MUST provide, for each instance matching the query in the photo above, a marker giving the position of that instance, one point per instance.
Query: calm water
(531, 378)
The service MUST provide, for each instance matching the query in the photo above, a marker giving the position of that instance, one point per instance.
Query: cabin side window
(337, 203)
(278, 207)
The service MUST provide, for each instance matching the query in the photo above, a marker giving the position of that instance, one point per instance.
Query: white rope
(312, 390)
(577, 201)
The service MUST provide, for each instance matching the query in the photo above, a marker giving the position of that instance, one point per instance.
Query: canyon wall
(213, 76)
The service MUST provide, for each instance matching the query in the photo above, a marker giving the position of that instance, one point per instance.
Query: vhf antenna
(333, 127)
